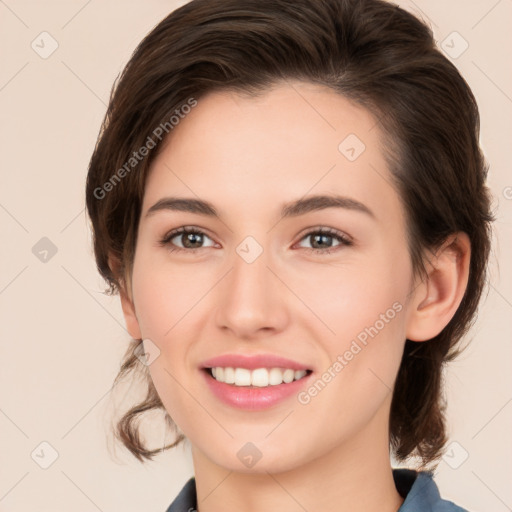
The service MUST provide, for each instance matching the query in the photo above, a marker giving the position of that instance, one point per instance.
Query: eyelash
(342, 238)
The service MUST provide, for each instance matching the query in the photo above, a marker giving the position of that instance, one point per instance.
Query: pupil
(320, 236)
(193, 237)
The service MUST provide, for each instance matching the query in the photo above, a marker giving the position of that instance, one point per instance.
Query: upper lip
(253, 362)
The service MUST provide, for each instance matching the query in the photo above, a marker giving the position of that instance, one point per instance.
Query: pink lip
(253, 362)
(253, 398)
(248, 397)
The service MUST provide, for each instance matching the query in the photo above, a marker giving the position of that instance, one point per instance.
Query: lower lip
(253, 398)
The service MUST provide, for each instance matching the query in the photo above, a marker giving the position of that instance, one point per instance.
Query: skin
(248, 156)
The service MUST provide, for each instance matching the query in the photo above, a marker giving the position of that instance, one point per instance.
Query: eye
(323, 238)
(190, 239)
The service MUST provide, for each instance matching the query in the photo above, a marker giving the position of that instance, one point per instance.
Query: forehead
(294, 139)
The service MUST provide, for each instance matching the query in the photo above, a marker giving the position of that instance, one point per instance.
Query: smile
(259, 377)
(255, 382)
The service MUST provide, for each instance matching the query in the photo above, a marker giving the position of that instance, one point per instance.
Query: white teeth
(288, 376)
(229, 375)
(242, 377)
(275, 377)
(299, 374)
(260, 377)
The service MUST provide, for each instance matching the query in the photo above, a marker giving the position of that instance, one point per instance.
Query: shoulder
(421, 492)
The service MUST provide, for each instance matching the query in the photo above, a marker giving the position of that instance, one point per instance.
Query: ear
(436, 299)
(127, 304)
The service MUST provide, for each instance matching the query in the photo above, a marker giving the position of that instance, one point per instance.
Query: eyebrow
(292, 209)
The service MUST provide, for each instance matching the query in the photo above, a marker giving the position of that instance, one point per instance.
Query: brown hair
(370, 51)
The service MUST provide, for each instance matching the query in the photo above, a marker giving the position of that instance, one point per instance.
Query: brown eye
(322, 240)
(183, 239)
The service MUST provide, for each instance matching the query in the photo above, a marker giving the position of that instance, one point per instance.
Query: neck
(355, 476)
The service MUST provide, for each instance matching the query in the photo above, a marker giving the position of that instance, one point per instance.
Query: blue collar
(418, 488)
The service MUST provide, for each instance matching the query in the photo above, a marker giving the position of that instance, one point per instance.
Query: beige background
(62, 339)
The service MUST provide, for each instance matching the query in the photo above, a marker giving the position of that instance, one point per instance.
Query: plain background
(62, 339)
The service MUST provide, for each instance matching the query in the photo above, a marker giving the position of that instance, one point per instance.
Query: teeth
(229, 375)
(261, 377)
(288, 376)
(275, 377)
(242, 377)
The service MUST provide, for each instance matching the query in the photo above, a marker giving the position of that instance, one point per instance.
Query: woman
(290, 198)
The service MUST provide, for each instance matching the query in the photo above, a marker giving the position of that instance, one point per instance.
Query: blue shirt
(418, 488)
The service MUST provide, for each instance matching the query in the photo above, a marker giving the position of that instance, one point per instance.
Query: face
(303, 305)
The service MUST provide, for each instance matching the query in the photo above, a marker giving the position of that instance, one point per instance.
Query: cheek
(168, 304)
(166, 295)
(170, 388)
(354, 295)
(358, 377)
(364, 307)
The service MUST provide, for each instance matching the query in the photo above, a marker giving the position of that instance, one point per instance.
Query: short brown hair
(370, 51)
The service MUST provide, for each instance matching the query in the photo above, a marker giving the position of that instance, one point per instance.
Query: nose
(252, 300)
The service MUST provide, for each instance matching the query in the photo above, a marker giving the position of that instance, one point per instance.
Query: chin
(255, 457)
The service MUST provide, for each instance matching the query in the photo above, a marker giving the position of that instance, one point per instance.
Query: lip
(253, 362)
(252, 398)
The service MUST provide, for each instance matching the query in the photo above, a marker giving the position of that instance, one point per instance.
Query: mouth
(254, 383)
(256, 378)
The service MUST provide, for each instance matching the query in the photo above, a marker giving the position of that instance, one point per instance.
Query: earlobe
(127, 305)
(436, 299)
